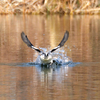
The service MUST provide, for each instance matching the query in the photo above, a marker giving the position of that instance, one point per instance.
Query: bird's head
(45, 57)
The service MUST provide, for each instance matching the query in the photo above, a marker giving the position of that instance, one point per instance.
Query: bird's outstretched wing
(65, 38)
(29, 44)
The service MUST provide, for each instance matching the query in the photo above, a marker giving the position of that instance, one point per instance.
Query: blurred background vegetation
(50, 6)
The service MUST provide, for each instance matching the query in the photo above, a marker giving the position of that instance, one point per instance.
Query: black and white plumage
(45, 57)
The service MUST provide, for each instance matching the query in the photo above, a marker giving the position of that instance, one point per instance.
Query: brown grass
(49, 7)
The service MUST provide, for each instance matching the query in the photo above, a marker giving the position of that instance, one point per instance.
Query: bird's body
(45, 58)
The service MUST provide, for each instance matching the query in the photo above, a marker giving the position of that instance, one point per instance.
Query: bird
(46, 58)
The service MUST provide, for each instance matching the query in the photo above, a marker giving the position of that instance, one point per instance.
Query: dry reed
(49, 7)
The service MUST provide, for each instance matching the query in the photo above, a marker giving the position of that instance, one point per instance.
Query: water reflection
(85, 37)
(37, 83)
(25, 83)
(47, 32)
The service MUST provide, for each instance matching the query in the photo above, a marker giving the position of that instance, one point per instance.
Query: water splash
(60, 56)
